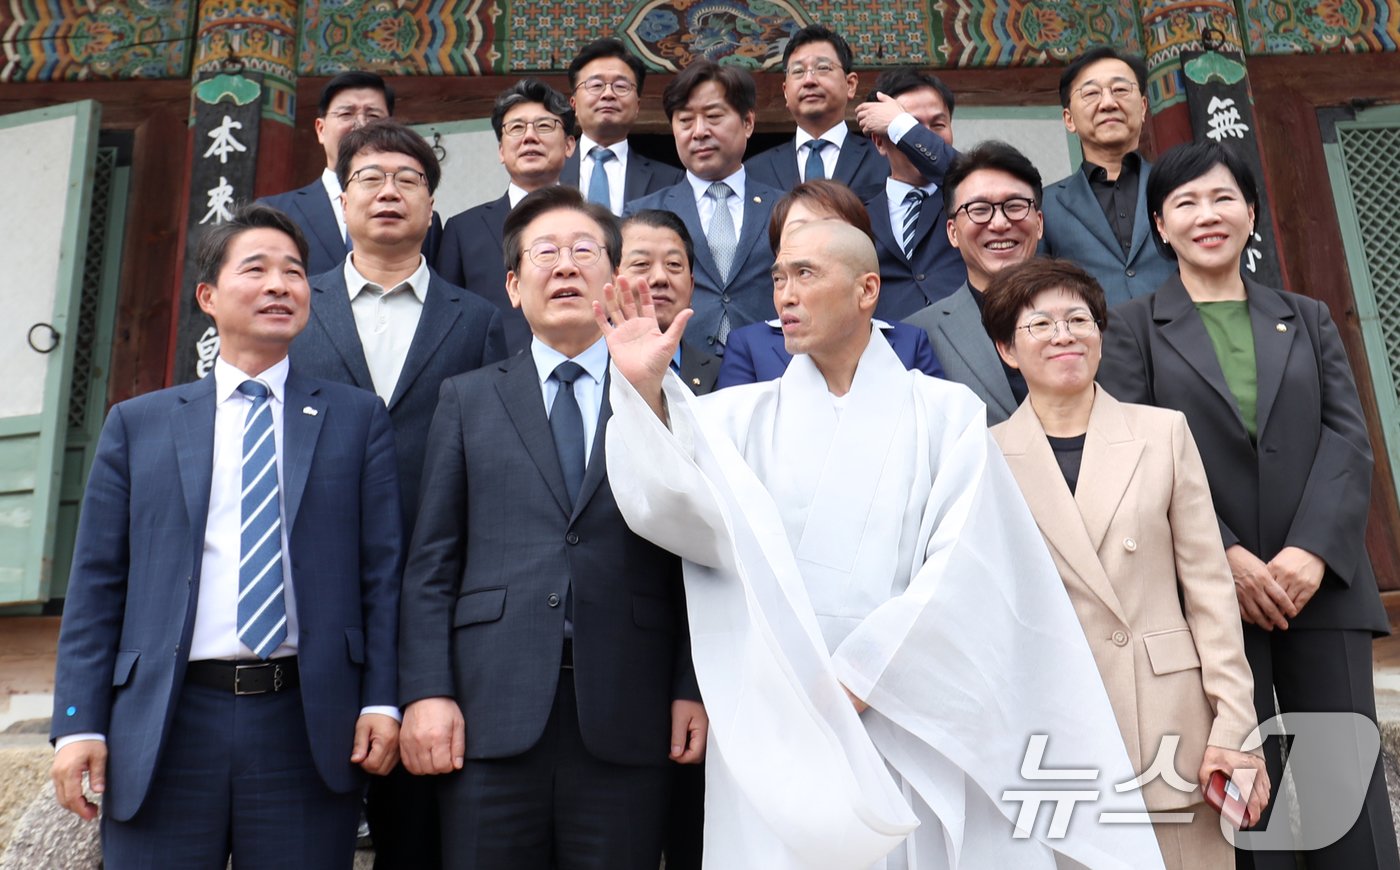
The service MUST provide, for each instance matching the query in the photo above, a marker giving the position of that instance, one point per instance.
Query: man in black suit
(547, 670)
(535, 131)
(348, 102)
(385, 322)
(818, 85)
(911, 122)
(657, 246)
(605, 83)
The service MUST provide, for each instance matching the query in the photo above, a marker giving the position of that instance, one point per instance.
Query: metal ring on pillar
(438, 151)
(53, 338)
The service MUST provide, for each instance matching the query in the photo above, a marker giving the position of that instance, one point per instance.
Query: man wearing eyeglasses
(535, 130)
(917, 265)
(1097, 216)
(993, 193)
(547, 682)
(385, 322)
(348, 101)
(818, 86)
(605, 83)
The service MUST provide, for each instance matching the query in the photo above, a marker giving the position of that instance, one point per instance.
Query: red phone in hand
(1225, 798)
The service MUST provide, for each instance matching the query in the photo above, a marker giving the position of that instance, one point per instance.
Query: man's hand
(860, 705)
(1299, 573)
(875, 118)
(638, 347)
(689, 729)
(1263, 602)
(69, 765)
(376, 743)
(1252, 778)
(434, 736)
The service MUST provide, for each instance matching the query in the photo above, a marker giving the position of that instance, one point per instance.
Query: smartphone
(1225, 798)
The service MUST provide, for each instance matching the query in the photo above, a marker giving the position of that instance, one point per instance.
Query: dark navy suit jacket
(748, 294)
(497, 547)
(644, 175)
(457, 332)
(756, 353)
(936, 269)
(473, 256)
(862, 167)
(310, 209)
(130, 612)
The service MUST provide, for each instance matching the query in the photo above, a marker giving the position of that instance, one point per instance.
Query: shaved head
(843, 242)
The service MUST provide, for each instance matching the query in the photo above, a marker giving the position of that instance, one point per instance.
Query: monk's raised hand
(638, 347)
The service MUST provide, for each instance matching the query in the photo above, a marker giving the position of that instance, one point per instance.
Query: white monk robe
(876, 541)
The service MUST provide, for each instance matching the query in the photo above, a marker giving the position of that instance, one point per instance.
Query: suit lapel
(192, 425)
(930, 214)
(1142, 222)
(879, 210)
(493, 215)
(315, 204)
(1181, 326)
(1272, 323)
(519, 389)
(962, 328)
(331, 309)
(638, 178)
(1111, 453)
(300, 431)
(849, 158)
(441, 309)
(1056, 512)
(681, 201)
(597, 466)
(779, 349)
(1084, 207)
(568, 176)
(757, 206)
(698, 368)
(785, 166)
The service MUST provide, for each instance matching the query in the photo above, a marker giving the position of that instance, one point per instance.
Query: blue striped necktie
(913, 203)
(262, 608)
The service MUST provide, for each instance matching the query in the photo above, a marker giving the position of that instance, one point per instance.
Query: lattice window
(1372, 157)
(92, 287)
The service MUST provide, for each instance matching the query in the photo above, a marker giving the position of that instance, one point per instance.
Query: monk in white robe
(876, 625)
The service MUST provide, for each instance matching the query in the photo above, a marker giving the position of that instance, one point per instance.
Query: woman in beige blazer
(1121, 497)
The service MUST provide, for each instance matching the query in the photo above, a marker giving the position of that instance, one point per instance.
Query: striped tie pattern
(724, 243)
(913, 205)
(262, 609)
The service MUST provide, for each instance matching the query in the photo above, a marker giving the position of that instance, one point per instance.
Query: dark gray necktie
(566, 423)
(816, 169)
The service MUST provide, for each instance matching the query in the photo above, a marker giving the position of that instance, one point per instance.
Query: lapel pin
(310, 411)
(758, 199)
(1281, 328)
(695, 381)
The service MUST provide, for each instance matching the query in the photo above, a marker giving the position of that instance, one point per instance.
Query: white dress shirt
(386, 320)
(333, 189)
(515, 193)
(588, 391)
(836, 136)
(706, 205)
(615, 169)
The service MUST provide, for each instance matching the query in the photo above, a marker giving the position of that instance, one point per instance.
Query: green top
(1230, 331)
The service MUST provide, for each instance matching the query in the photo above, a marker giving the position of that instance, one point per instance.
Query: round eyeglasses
(584, 252)
(543, 127)
(1014, 208)
(595, 86)
(1042, 328)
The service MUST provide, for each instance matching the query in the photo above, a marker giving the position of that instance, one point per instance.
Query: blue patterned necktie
(598, 190)
(262, 607)
(913, 203)
(724, 242)
(816, 169)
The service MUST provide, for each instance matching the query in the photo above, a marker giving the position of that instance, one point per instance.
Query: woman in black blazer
(1263, 379)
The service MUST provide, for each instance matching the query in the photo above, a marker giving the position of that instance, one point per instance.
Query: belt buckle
(238, 679)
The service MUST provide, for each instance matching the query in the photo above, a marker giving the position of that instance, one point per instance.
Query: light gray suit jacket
(954, 327)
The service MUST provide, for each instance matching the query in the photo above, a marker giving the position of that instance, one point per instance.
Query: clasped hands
(1272, 593)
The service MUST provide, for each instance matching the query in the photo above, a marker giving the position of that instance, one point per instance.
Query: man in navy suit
(535, 133)
(348, 101)
(221, 707)
(386, 323)
(757, 352)
(657, 246)
(817, 86)
(545, 665)
(1097, 215)
(605, 83)
(711, 110)
(911, 121)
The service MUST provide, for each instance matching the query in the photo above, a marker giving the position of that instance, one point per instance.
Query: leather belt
(245, 678)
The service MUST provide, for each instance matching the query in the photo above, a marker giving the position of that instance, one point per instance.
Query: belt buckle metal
(238, 679)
